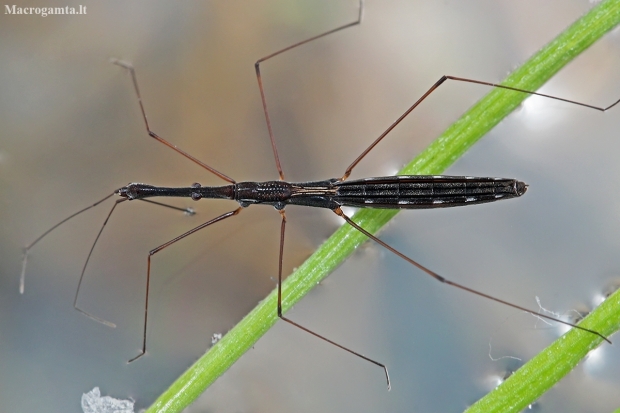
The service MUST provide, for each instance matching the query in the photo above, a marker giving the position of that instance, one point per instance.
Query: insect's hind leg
(441, 81)
(444, 280)
(260, 79)
(281, 315)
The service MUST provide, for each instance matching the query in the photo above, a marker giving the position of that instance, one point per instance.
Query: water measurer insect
(197, 191)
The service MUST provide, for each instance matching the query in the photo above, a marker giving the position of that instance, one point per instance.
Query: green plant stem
(539, 374)
(442, 153)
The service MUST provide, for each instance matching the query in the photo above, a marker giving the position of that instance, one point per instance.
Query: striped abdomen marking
(425, 191)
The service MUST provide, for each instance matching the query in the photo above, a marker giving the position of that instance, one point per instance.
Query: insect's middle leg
(280, 312)
(259, 78)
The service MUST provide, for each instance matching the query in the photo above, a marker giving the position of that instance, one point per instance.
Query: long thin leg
(441, 279)
(188, 211)
(148, 268)
(460, 79)
(22, 276)
(152, 134)
(282, 228)
(260, 79)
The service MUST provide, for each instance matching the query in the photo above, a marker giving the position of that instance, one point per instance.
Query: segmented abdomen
(425, 191)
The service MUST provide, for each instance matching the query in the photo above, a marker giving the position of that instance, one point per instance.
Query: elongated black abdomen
(425, 191)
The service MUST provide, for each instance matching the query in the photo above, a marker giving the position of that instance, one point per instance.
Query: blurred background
(72, 133)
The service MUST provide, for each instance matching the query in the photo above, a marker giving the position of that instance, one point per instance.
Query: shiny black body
(394, 192)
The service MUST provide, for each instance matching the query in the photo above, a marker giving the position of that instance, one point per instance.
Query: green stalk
(539, 374)
(442, 153)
